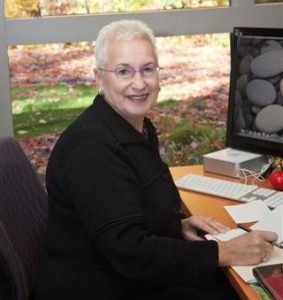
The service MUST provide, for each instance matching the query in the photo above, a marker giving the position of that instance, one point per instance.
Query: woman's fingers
(208, 224)
(216, 226)
(247, 249)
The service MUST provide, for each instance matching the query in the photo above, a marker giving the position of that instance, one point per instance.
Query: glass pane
(193, 99)
(48, 82)
(37, 8)
(267, 1)
(52, 84)
(191, 65)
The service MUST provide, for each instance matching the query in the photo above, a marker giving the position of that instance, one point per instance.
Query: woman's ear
(98, 80)
(95, 73)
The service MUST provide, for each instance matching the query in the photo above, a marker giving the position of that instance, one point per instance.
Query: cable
(250, 174)
(260, 175)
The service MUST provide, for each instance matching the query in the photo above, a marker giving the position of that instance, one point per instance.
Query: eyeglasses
(128, 72)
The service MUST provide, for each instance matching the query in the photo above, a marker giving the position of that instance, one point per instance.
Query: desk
(200, 204)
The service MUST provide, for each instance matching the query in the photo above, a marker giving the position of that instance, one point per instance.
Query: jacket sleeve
(107, 196)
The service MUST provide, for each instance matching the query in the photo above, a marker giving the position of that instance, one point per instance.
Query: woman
(115, 229)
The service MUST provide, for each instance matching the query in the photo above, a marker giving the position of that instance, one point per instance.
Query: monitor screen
(255, 110)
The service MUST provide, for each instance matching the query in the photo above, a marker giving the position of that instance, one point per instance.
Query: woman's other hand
(192, 225)
(247, 249)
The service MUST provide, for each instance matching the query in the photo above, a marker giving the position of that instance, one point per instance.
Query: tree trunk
(42, 7)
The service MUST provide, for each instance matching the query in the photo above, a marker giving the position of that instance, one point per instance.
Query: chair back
(23, 215)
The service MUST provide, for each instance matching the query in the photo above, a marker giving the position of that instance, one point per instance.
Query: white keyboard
(230, 190)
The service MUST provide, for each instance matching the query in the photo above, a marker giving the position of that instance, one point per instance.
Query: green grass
(48, 109)
(261, 292)
(166, 104)
(188, 141)
(29, 124)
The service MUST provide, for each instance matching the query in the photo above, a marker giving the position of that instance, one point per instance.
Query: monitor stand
(231, 162)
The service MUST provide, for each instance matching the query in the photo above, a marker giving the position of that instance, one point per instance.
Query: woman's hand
(247, 249)
(193, 224)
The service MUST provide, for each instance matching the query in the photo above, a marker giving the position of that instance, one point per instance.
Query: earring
(100, 92)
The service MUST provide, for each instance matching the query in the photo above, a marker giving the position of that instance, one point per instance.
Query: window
(267, 1)
(37, 8)
(52, 84)
(190, 71)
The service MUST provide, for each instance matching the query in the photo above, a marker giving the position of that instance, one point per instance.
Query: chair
(23, 215)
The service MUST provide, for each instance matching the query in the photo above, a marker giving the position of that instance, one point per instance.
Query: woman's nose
(138, 81)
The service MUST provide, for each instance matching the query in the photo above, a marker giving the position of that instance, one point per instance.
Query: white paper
(246, 272)
(272, 222)
(248, 212)
(228, 235)
(269, 220)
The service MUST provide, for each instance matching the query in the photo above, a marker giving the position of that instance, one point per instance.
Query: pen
(250, 230)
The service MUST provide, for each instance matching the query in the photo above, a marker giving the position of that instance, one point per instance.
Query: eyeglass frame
(133, 71)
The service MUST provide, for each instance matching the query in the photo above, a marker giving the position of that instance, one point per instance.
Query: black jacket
(114, 228)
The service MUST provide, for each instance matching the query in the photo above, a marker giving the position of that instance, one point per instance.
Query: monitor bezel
(234, 140)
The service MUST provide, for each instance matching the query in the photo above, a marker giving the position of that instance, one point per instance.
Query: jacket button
(176, 210)
(164, 175)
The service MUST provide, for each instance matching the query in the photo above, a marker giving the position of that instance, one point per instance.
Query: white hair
(122, 30)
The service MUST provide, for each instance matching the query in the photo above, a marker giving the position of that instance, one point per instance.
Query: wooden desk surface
(200, 204)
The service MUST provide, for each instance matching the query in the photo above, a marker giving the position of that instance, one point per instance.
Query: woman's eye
(123, 72)
(148, 69)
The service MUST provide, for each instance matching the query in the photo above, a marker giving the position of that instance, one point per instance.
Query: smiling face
(131, 98)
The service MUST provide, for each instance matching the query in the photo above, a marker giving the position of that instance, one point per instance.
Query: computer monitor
(255, 110)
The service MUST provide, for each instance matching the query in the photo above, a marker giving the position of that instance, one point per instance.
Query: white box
(231, 162)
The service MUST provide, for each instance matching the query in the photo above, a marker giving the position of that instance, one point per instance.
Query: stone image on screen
(259, 89)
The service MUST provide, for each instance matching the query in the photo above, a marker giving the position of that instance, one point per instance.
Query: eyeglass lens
(128, 72)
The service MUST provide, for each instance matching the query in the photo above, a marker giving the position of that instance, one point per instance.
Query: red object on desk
(276, 179)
